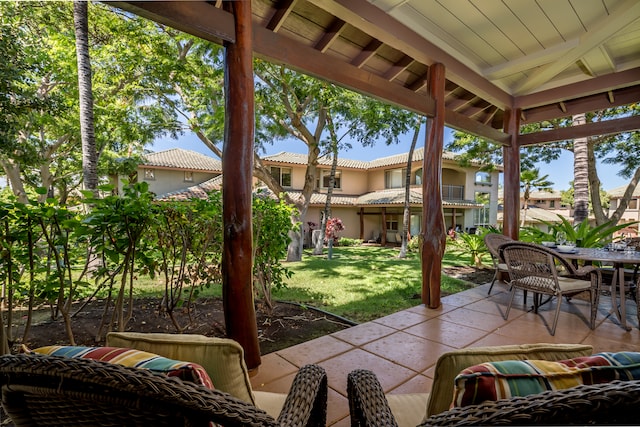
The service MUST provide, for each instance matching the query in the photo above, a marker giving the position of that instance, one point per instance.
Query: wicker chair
(493, 241)
(49, 390)
(610, 403)
(543, 271)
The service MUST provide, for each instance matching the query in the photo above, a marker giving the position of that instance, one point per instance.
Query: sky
(560, 172)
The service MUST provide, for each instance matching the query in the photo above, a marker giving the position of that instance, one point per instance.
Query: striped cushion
(186, 371)
(506, 379)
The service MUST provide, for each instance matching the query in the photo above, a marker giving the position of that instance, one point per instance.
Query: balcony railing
(452, 192)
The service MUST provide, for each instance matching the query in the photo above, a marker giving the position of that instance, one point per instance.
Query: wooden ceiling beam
(200, 19)
(397, 68)
(596, 102)
(373, 21)
(607, 127)
(283, 10)
(367, 53)
(593, 86)
(331, 35)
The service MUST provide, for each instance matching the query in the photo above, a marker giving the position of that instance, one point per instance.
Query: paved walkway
(403, 347)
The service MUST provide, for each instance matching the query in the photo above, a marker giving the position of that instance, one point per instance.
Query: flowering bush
(334, 225)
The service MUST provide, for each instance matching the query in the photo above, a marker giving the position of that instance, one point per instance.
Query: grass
(361, 283)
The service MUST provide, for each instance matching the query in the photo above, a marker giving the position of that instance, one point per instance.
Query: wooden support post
(362, 224)
(511, 155)
(383, 235)
(237, 169)
(433, 224)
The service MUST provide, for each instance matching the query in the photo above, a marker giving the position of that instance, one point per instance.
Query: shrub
(346, 241)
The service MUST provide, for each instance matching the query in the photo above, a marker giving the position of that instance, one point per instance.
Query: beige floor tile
(280, 385)
(417, 384)
(432, 312)
(344, 422)
(364, 333)
(401, 319)
(314, 351)
(446, 332)
(337, 407)
(474, 319)
(389, 374)
(408, 350)
(272, 368)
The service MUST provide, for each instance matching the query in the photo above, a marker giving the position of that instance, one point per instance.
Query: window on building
(483, 178)
(394, 178)
(149, 175)
(552, 204)
(282, 175)
(633, 204)
(325, 177)
(188, 176)
(418, 177)
(392, 222)
(481, 215)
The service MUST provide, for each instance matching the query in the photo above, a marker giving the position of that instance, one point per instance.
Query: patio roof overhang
(546, 60)
(483, 67)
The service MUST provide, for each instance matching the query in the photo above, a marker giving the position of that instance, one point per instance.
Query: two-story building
(367, 196)
(632, 213)
(179, 174)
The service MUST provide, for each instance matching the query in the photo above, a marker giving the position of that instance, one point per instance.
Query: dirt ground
(287, 325)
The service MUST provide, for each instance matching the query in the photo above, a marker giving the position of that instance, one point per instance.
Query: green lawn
(361, 283)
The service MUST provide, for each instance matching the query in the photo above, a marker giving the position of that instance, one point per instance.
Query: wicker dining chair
(608, 403)
(48, 390)
(543, 271)
(493, 241)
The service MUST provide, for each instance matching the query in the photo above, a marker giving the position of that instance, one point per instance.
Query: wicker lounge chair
(609, 403)
(49, 390)
(493, 241)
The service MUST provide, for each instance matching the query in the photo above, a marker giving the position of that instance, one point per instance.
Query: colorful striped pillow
(506, 379)
(186, 371)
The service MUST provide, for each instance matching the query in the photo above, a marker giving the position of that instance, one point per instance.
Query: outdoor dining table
(618, 259)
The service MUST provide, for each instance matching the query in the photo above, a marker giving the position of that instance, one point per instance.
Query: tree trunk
(332, 180)
(14, 179)
(580, 178)
(89, 153)
(407, 191)
(526, 196)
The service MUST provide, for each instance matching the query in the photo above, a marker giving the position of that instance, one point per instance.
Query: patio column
(362, 224)
(433, 225)
(383, 234)
(237, 169)
(511, 155)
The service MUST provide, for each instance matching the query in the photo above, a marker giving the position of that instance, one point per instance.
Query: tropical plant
(583, 234)
(347, 241)
(271, 226)
(530, 179)
(471, 244)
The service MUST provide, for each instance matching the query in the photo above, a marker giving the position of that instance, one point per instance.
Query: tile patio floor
(403, 347)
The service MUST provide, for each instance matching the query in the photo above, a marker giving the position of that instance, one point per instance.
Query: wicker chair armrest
(124, 392)
(610, 403)
(586, 270)
(368, 405)
(306, 403)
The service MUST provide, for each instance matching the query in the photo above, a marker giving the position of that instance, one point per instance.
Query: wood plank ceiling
(547, 58)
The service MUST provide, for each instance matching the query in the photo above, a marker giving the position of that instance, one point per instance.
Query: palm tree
(89, 153)
(531, 179)
(581, 174)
